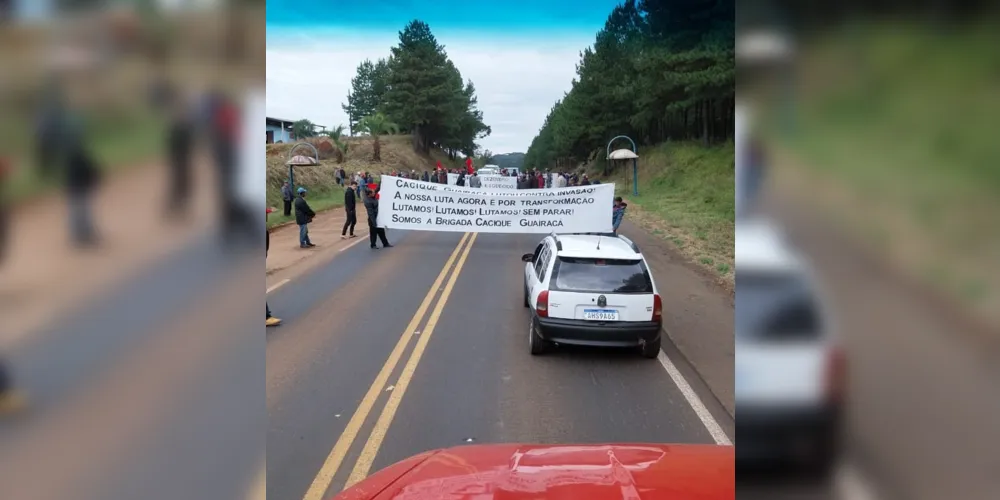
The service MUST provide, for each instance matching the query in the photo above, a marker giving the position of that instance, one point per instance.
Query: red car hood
(572, 472)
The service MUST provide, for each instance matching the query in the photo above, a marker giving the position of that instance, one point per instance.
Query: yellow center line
(323, 479)
(367, 457)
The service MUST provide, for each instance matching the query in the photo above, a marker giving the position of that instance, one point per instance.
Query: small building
(279, 130)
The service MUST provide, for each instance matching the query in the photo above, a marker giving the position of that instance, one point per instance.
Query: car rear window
(601, 275)
(775, 307)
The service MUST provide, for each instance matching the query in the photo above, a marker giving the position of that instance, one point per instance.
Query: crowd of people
(538, 180)
(364, 186)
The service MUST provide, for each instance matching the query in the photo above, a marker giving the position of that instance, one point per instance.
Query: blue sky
(520, 54)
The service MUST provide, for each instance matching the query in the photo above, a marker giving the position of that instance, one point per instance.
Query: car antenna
(598, 242)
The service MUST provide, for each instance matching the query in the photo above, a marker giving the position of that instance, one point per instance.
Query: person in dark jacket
(349, 207)
(371, 206)
(461, 179)
(180, 146)
(82, 179)
(426, 177)
(270, 320)
(287, 197)
(303, 216)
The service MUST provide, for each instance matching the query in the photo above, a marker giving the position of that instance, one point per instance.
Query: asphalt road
(152, 390)
(385, 354)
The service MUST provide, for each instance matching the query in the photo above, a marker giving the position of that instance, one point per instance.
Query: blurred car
(592, 290)
(790, 369)
(592, 472)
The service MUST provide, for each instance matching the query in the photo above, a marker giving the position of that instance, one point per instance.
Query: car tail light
(542, 304)
(657, 308)
(836, 375)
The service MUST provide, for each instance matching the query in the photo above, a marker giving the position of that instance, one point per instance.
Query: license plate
(600, 314)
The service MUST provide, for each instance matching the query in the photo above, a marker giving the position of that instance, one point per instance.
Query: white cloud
(517, 81)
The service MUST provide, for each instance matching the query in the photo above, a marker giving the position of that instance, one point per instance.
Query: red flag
(439, 165)
(468, 165)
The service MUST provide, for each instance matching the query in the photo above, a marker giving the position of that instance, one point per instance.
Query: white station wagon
(592, 290)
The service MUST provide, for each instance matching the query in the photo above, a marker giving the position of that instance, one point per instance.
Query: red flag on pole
(468, 165)
(439, 165)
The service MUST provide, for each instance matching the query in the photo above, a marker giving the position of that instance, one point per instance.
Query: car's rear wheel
(536, 343)
(651, 350)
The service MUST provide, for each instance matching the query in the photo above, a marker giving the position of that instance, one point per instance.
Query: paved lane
(162, 374)
(459, 371)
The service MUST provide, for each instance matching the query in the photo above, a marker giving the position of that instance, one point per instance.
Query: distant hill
(509, 160)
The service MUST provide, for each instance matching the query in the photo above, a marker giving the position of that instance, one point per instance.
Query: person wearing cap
(270, 320)
(371, 206)
(303, 216)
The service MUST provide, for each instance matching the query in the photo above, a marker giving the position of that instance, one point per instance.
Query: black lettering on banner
(557, 211)
(441, 221)
(454, 211)
(492, 223)
(541, 223)
(398, 195)
(495, 211)
(532, 211)
(472, 201)
(406, 220)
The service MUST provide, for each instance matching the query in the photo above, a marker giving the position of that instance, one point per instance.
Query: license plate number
(600, 314)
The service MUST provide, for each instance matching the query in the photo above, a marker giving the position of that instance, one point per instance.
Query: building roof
(596, 246)
(271, 118)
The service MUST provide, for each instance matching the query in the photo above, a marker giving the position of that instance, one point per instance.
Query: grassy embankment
(324, 193)
(686, 197)
(897, 140)
(118, 143)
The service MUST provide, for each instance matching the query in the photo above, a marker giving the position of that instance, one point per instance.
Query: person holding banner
(371, 206)
(618, 213)
(474, 181)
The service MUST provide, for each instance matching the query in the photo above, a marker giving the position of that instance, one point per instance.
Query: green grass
(907, 129)
(118, 143)
(687, 188)
(319, 202)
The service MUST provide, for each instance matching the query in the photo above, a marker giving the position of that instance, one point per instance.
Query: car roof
(760, 246)
(594, 246)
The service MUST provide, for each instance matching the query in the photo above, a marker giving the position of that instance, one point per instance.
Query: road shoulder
(698, 313)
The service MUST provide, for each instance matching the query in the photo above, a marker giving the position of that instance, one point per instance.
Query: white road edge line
(692, 398)
(852, 485)
(277, 285)
(349, 245)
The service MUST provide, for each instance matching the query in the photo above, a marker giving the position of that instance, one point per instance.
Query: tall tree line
(419, 88)
(658, 70)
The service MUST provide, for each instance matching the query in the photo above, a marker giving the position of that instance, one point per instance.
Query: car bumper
(801, 435)
(598, 333)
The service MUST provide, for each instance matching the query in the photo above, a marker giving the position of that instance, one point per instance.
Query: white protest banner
(425, 206)
(498, 182)
(452, 179)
